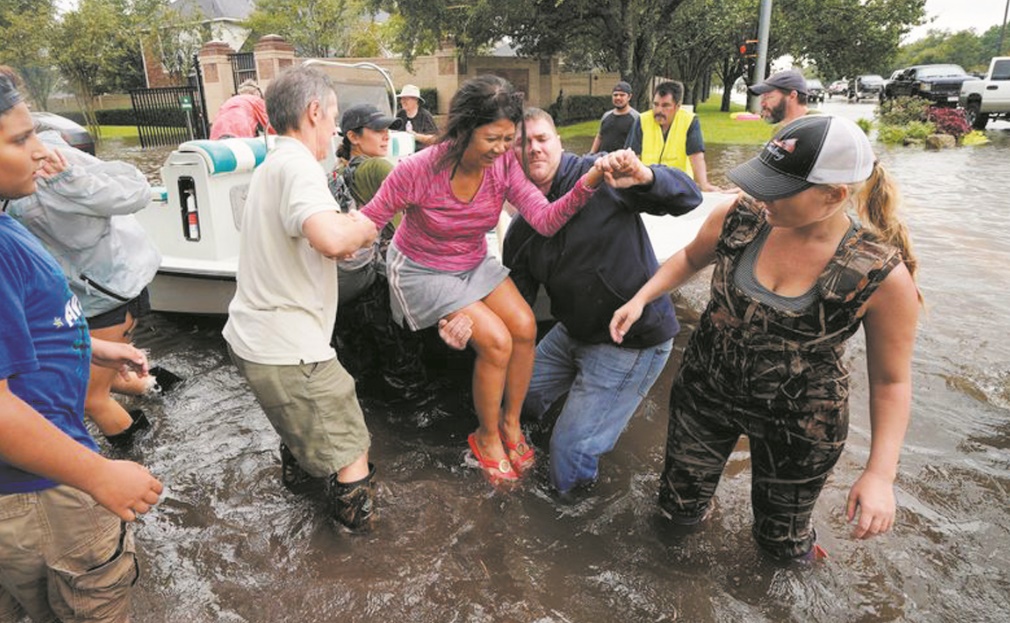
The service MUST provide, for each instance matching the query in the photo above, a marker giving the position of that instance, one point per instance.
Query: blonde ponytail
(877, 202)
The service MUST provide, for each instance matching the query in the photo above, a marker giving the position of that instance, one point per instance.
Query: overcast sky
(955, 15)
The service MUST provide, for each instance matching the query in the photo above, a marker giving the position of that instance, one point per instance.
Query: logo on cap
(780, 148)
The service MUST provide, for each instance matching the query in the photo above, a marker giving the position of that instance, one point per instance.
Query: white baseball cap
(410, 90)
(816, 149)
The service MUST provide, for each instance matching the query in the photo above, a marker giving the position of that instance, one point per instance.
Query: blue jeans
(605, 385)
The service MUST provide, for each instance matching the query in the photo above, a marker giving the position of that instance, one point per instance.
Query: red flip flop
(520, 453)
(496, 471)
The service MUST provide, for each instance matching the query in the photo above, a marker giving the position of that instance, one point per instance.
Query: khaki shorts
(63, 557)
(314, 408)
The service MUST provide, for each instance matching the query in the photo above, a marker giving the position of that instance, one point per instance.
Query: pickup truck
(988, 98)
(939, 84)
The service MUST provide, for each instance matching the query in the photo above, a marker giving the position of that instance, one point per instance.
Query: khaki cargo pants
(64, 558)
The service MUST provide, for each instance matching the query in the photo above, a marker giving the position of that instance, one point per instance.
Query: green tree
(317, 28)
(26, 29)
(845, 37)
(90, 43)
(626, 31)
(702, 41)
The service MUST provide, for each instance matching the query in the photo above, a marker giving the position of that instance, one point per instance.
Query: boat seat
(230, 155)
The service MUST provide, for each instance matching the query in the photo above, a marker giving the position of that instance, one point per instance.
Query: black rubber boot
(353, 502)
(294, 478)
(125, 439)
(164, 379)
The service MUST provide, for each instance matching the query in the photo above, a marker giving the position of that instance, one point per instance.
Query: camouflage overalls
(777, 377)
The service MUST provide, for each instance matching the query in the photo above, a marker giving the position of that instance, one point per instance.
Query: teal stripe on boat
(221, 155)
(259, 148)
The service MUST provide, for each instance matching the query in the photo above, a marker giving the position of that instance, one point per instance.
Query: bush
(920, 129)
(899, 134)
(557, 109)
(949, 121)
(113, 116)
(902, 110)
(891, 134)
(865, 124)
(567, 110)
(586, 107)
(430, 97)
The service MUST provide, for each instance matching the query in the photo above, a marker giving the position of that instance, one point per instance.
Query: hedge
(430, 97)
(567, 110)
(165, 117)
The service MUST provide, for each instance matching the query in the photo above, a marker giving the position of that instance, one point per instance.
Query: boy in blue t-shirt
(54, 540)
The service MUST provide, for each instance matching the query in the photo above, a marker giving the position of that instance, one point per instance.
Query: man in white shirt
(285, 305)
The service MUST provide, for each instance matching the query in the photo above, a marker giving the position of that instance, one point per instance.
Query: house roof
(215, 9)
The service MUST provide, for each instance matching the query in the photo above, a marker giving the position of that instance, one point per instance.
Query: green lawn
(716, 127)
(119, 131)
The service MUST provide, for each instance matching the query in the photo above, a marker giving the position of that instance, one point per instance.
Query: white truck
(988, 98)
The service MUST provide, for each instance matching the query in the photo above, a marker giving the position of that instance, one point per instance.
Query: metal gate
(243, 67)
(168, 115)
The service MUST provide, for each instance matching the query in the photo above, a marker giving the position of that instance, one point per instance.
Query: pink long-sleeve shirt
(440, 231)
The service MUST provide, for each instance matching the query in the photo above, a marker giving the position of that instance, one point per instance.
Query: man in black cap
(616, 123)
(783, 96)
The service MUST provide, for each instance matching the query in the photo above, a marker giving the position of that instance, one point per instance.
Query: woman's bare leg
(506, 302)
(493, 344)
(99, 405)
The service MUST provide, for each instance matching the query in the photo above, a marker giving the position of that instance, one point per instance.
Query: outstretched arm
(673, 273)
(701, 173)
(78, 183)
(119, 356)
(33, 444)
(890, 325)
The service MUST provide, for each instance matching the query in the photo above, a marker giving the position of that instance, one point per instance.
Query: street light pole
(764, 26)
(1002, 31)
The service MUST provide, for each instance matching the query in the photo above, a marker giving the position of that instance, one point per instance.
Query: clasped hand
(623, 169)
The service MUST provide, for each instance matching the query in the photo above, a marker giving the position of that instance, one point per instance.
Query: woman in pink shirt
(438, 265)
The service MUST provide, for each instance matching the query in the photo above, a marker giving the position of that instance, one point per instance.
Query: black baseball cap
(623, 87)
(789, 80)
(816, 149)
(364, 116)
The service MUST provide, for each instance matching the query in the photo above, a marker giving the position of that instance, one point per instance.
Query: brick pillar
(272, 54)
(218, 79)
(447, 79)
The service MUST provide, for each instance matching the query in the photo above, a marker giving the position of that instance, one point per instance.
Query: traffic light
(749, 48)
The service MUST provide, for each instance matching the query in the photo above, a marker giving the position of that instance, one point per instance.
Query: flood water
(228, 543)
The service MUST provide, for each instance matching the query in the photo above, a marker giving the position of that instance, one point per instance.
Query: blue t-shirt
(45, 349)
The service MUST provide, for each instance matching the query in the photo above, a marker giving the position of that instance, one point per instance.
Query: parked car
(988, 98)
(72, 132)
(838, 87)
(940, 84)
(894, 74)
(866, 86)
(815, 90)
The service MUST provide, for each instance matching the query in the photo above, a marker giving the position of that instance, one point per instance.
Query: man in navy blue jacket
(592, 266)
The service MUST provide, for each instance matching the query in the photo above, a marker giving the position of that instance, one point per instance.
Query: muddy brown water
(228, 543)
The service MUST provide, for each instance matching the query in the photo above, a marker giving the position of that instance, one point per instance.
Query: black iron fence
(243, 67)
(168, 115)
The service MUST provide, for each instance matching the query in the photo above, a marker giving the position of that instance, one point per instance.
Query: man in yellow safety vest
(671, 135)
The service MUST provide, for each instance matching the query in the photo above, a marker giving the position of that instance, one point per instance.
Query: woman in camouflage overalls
(795, 276)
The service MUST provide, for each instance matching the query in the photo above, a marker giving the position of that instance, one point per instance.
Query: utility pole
(1002, 31)
(764, 26)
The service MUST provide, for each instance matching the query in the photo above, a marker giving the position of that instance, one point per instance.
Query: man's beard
(778, 113)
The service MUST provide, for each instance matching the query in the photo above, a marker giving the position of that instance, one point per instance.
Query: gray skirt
(419, 296)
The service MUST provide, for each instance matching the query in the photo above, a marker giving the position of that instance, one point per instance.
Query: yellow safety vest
(672, 152)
